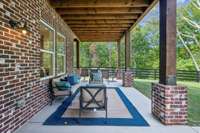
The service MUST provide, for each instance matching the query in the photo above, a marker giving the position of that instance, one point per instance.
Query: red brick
(175, 106)
(16, 48)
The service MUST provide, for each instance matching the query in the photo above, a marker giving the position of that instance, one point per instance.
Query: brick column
(78, 71)
(128, 78)
(169, 104)
(169, 100)
(127, 75)
(118, 74)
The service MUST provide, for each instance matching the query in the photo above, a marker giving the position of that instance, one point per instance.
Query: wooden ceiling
(102, 20)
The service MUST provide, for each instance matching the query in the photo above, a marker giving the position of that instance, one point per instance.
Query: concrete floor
(142, 103)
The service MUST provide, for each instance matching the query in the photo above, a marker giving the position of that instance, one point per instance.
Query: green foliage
(145, 45)
(188, 12)
(98, 54)
(85, 59)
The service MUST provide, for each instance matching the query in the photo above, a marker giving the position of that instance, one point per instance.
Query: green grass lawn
(144, 86)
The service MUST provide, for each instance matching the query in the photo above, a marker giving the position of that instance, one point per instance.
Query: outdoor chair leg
(80, 103)
(70, 93)
(106, 108)
(52, 99)
(106, 114)
(106, 117)
(79, 113)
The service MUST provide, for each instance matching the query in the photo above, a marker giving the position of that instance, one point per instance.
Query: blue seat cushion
(96, 77)
(63, 85)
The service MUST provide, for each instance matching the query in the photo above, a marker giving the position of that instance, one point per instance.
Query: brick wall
(20, 60)
(169, 104)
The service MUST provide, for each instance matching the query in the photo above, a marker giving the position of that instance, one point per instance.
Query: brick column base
(78, 71)
(119, 74)
(128, 79)
(169, 104)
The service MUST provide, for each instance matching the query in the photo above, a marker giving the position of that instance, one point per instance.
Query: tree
(188, 29)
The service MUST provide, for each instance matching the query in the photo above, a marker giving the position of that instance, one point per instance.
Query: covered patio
(36, 46)
(100, 21)
(142, 103)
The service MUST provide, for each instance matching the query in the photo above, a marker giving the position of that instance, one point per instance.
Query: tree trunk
(188, 50)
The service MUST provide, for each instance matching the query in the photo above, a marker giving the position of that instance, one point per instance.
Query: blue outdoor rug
(134, 118)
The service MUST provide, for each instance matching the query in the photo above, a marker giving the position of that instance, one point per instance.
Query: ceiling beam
(114, 21)
(85, 32)
(98, 3)
(102, 20)
(109, 11)
(100, 25)
(99, 17)
(99, 34)
(98, 29)
(99, 38)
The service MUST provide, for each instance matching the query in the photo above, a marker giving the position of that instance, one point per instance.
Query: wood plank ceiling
(101, 20)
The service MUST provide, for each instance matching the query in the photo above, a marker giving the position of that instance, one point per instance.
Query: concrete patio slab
(142, 103)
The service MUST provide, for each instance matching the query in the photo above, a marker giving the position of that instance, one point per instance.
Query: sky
(182, 1)
(156, 12)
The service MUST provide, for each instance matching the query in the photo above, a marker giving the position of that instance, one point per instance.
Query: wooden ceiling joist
(97, 17)
(98, 3)
(98, 29)
(98, 38)
(85, 31)
(98, 34)
(92, 11)
(101, 25)
(102, 20)
(114, 21)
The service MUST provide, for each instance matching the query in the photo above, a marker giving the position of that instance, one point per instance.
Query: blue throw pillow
(73, 79)
(63, 85)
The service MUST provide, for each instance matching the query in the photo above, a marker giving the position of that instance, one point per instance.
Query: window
(60, 53)
(47, 51)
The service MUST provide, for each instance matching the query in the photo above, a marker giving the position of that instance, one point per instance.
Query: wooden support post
(168, 42)
(169, 101)
(77, 54)
(127, 75)
(118, 53)
(119, 72)
(127, 49)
